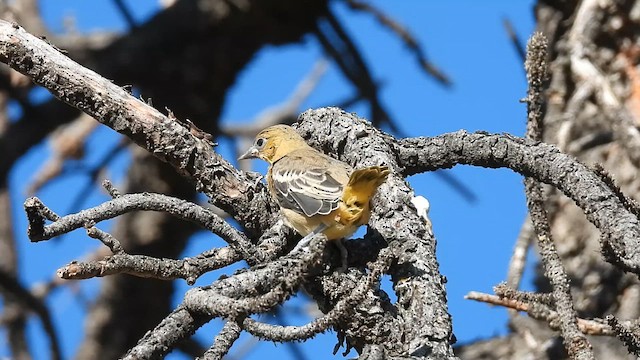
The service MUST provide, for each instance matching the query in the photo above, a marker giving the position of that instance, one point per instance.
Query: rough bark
(590, 114)
(201, 57)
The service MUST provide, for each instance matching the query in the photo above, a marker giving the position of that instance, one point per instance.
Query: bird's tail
(362, 185)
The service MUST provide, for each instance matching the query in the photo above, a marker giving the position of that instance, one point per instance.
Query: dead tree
(586, 305)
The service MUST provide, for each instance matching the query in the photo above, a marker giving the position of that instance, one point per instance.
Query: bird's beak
(252, 153)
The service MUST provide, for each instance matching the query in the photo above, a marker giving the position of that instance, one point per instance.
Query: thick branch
(538, 160)
(240, 195)
(419, 323)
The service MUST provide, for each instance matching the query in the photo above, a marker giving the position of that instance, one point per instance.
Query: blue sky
(465, 39)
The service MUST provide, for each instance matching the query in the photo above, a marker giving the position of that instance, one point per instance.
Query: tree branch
(541, 312)
(575, 342)
(37, 212)
(224, 340)
(342, 310)
(405, 36)
(254, 290)
(189, 269)
(543, 162)
(10, 285)
(237, 193)
(422, 322)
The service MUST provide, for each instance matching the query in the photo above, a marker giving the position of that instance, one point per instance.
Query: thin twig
(107, 239)
(126, 13)
(505, 291)
(37, 212)
(282, 113)
(406, 37)
(575, 342)
(519, 257)
(92, 174)
(541, 312)
(515, 40)
(11, 285)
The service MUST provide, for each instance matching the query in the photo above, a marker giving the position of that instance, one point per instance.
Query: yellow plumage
(314, 190)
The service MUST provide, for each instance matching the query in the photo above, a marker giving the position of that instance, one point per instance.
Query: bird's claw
(303, 245)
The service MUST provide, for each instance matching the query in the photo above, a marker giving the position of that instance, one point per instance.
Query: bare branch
(38, 212)
(505, 291)
(12, 286)
(404, 35)
(341, 311)
(189, 269)
(224, 340)
(627, 334)
(284, 113)
(574, 341)
(340, 47)
(111, 189)
(541, 312)
(107, 239)
(543, 162)
(212, 302)
(234, 192)
(519, 256)
(537, 77)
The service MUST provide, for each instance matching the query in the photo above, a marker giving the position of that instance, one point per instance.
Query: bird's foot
(303, 245)
(344, 255)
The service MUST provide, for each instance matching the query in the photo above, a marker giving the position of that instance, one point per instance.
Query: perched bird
(316, 193)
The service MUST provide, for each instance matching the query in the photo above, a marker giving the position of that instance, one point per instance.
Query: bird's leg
(304, 243)
(343, 255)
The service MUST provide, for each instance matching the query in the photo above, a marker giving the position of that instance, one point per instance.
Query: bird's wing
(308, 184)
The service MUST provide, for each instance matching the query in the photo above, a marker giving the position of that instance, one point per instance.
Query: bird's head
(274, 142)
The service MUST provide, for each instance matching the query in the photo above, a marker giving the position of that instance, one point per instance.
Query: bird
(316, 193)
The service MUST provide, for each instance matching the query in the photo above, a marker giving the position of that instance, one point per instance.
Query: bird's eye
(260, 143)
